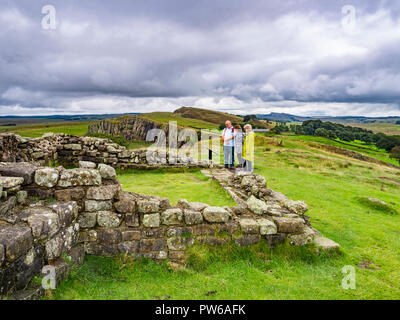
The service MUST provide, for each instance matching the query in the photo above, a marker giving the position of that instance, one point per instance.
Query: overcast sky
(242, 56)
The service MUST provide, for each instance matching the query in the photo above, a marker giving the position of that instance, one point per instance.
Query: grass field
(369, 150)
(37, 130)
(388, 128)
(335, 188)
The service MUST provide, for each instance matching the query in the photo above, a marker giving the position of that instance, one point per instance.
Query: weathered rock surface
(46, 177)
(216, 215)
(79, 177)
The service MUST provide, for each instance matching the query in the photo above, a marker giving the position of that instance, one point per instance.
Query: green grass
(332, 186)
(387, 128)
(191, 185)
(37, 130)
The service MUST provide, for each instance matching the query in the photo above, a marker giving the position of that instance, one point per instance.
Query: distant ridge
(341, 119)
(212, 116)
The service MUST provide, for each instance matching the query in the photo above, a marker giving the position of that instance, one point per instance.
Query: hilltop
(212, 116)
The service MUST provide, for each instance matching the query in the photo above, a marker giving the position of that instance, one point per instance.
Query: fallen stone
(326, 244)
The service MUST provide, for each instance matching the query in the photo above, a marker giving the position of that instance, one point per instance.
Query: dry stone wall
(69, 150)
(54, 216)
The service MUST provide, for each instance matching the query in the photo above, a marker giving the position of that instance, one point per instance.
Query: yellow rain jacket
(248, 147)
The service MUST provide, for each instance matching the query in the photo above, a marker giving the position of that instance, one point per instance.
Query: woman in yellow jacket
(248, 148)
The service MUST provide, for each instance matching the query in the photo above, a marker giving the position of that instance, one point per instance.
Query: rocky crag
(54, 216)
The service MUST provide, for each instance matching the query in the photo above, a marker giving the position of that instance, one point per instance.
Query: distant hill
(350, 119)
(215, 117)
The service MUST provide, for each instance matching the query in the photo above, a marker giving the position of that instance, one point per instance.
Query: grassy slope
(388, 128)
(215, 117)
(165, 117)
(369, 150)
(331, 185)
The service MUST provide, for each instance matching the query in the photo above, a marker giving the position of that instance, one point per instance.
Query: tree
(395, 153)
(398, 122)
(321, 132)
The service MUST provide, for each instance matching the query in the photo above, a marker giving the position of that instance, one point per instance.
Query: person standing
(239, 137)
(248, 147)
(228, 137)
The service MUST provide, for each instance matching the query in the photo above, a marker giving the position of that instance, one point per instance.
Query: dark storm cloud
(237, 55)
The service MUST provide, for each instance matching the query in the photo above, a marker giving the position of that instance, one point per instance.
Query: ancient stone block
(307, 236)
(130, 235)
(79, 177)
(172, 216)
(153, 232)
(46, 177)
(289, 225)
(93, 205)
(193, 217)
(11, 182)
(26, 170)
(102, 192)
(97, 249)
(7, 205)
(147, 245)
(230, 227)
(87, 165)
(46, 223)
(21, 196)
(249, 226)
(67, 211)
(156, 255)
(132, 220)
(297, 207)
(125, 206)
(204, 229)
(326, 244)
(73, 147)
(108, 219)
(129, 247)
(151, 220)
(216, 215)
(267, 227)
(87, 219)
(275, 239)
(15, 240)
(148, 206)
(257, 206)
(70, 194)
(54, 247)
(109, 236)
(106, 171)
(179, 243)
